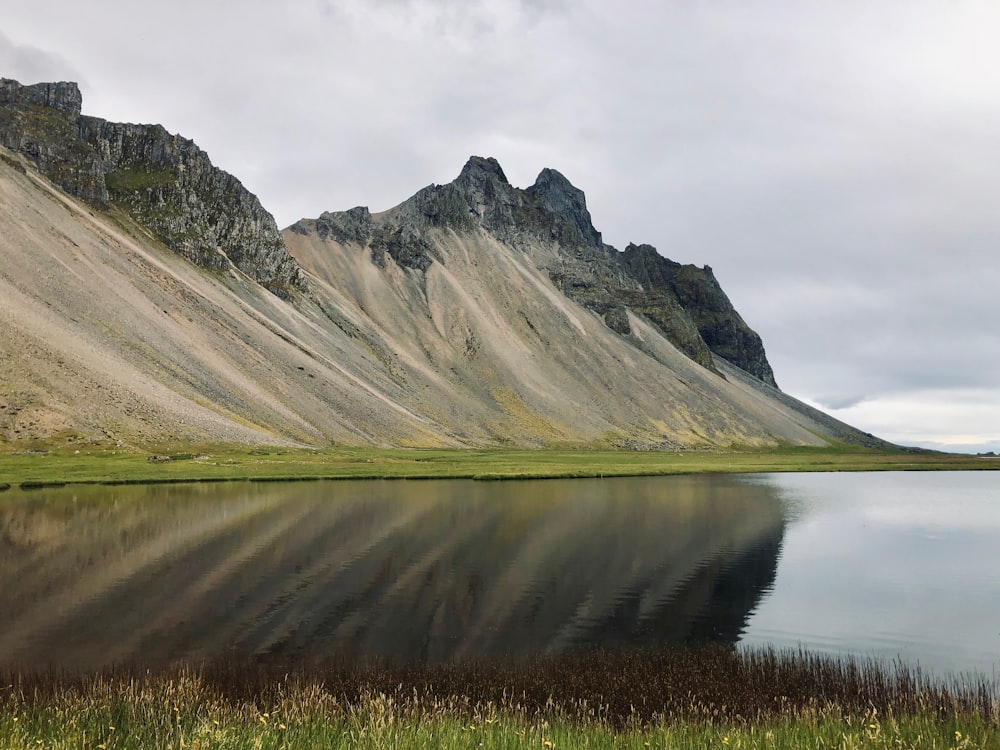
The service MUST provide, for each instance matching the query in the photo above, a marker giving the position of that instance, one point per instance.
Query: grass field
(219, 463)
(694, 698)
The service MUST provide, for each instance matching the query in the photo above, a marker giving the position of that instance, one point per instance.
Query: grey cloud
(32, 65)
(452, 19)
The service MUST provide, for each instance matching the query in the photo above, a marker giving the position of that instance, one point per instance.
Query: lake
(892, 565)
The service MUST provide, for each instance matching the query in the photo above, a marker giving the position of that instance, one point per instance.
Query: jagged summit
(482, 197)
(479, 198)
(480, 171)
(563, 199)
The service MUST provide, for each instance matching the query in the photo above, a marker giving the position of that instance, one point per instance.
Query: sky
(836, 162)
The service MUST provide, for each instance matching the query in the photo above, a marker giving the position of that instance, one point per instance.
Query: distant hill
(146, 295)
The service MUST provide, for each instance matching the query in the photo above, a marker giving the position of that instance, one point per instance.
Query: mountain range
(148, 296)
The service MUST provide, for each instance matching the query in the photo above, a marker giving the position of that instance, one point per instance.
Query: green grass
(378, 722)
(714, 697)
(103, 464)
(131, 180)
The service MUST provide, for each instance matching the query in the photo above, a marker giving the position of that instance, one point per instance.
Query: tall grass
(705, 697)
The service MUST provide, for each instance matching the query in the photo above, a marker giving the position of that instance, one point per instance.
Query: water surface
(895, 565)
(413, 570)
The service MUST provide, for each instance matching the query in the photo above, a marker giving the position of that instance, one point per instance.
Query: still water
(900, 565)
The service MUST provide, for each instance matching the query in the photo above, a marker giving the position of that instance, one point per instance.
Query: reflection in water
(423, 570)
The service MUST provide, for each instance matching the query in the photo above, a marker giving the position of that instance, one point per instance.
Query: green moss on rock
(132, 180)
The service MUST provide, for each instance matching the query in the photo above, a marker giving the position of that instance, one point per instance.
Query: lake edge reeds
(694, 697)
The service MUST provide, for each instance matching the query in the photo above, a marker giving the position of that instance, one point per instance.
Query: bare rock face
(354, 225)
(568, 205)
(40, 122)
(64, 96)
(163, 181)
(697, 291)
(722, 328)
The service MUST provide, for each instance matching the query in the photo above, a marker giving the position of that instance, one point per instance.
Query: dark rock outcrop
(354, 225)
(164, 182)
(40, 122)
(568, 206)
(64, 96)
(722, 328)
(699, 294)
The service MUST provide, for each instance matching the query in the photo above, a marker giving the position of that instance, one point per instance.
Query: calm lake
(892, 565)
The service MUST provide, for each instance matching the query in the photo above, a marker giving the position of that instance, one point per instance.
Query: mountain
(146, 295)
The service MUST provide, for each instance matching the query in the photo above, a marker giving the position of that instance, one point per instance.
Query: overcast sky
(836, 162)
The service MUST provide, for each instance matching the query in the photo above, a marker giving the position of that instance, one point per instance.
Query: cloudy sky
(837, 162)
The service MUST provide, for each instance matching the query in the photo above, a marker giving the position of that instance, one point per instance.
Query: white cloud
(965, 420)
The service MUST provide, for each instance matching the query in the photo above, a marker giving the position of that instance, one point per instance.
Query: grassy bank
(20, 466)
(713, 697)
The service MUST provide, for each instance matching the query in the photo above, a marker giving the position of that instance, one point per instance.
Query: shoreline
(30, 470)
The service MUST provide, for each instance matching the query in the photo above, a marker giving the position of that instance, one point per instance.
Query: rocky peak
(566, 201)
(485, 196)
(685, 302)
(481, 197)
(63, 96)
(481, 176)
(40, 122)
(162, 181)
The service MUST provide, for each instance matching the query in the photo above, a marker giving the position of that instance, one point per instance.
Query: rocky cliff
(162, 181)
(697, 292)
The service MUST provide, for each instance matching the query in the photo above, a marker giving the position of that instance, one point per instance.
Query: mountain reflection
(415, 570)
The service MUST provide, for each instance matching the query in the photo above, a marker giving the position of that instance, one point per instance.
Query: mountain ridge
(471, 314)
(592, 273)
